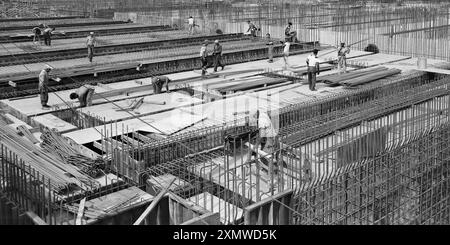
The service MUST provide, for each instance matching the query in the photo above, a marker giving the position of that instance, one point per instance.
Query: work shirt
(217, 49)
(83, 92)
(312, 61)
(203, 51)
(48, 30)
(287, 31)
(265, 126)
(191, 21)
(43, 80)
(158, 83)
(90, 41)
(343, 51)
(287, 45)
(251, 27)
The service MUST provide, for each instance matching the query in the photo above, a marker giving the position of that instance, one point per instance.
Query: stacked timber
(359, 77)
(61, 176)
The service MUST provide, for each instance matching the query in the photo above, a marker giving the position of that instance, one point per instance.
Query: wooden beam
(153, 204)
(204, 219)
(80, 211)
(36, 219)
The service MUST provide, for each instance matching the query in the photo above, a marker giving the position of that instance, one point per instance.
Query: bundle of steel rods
(61, 176)
(55, 144)
(358, 77)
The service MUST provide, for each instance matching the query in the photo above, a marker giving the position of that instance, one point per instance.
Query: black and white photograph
(227, 114)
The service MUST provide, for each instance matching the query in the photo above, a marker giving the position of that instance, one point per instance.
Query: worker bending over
(90, 43)
(342, 57)
(203, 55)
(84, 95)
(217, 55)
(48, 35)
(251, 28)
(159, 82)
(37, 35)
(289, 34)
(313, 68)
(266, 131)
(43, 86)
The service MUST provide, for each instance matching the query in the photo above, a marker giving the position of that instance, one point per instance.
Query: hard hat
(217, 41)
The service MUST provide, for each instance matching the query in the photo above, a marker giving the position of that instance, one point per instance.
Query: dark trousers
(204, 65)
(270, 52)
(47, 39)
(90, 52)
(44, 96)
(312, 77)
(218, 61)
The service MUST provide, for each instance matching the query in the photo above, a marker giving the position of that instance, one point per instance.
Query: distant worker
(159, 82)
(43, 86)
(203, 56)
(48, 35)
(266, 131)
(191, 25)
(217, 55)
(342, 58)
(84, 95)
(287, 46)
(37, 35)
(289, 34)
(90, 43)
(313, 68)
(251, 28)
(269, 48)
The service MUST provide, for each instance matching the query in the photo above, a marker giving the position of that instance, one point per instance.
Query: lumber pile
(55, 144)
(359, 77)
(62, 176)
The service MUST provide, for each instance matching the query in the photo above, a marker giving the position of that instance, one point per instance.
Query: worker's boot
(223, 66)
(46, 107)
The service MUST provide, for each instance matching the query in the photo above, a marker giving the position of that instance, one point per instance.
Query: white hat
(217, 41)
(91, 33)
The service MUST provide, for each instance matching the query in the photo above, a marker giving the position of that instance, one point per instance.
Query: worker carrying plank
(289, 34)
(342, 57)
(203, 55)
(313, 68)
(217, 55)
(84, 95)
(90, 43)
(43, 86)
(48, 35)
(159, 82)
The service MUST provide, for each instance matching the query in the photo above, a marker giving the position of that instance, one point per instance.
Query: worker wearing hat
(217, 55)
(90, 43)
(203, 55)
(43, 86)
(342, 58)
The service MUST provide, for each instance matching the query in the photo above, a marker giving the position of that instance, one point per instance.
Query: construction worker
(90, 43)
(269, 48)
(84, 95)
(43, 86)
(159, 82)
(313, 68)
(289, 34)
(203, 55)
(217, 55)
(266, 131)
(191, 25)
(251, 28)
(48, 35)
(287, 46)
(342, 57)
(37, 35)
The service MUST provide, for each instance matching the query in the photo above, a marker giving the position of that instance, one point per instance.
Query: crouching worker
(159, 82)
(84, 95)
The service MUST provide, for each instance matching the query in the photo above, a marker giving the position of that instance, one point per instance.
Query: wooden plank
(205, 219)
(153, 204)
(36, 219)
